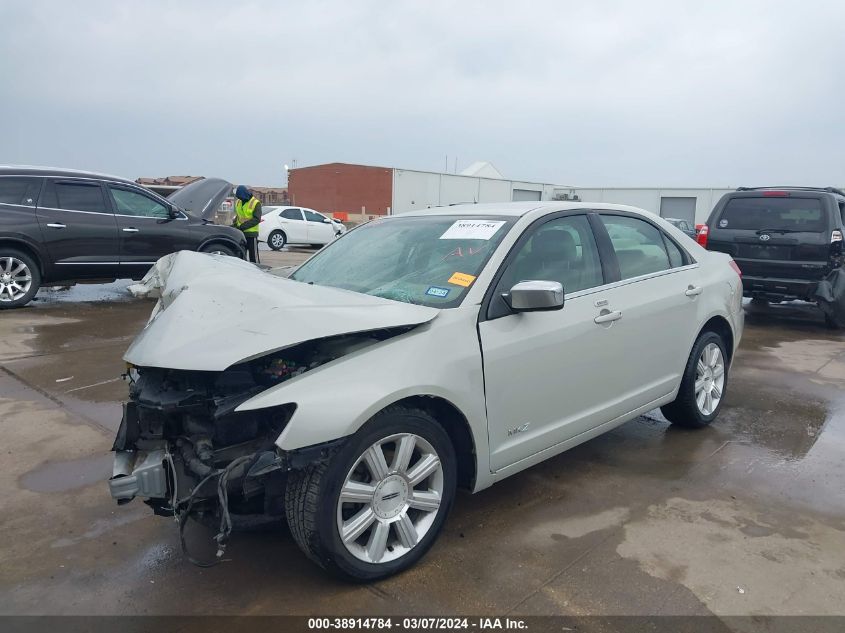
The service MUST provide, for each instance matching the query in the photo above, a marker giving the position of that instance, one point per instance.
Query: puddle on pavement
(68, 475)
(84, 293)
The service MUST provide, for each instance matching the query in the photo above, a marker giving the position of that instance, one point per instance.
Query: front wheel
(20, 278)
(376, 506)
(219, 249)
(703, 385)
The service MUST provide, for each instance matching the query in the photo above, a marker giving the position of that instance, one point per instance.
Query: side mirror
(535, 296)
(326, 221)
(172, 213)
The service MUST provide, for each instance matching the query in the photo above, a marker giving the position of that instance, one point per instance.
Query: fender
(336, 399)
(36, 248)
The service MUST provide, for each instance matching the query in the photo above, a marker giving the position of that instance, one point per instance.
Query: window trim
(516, 247)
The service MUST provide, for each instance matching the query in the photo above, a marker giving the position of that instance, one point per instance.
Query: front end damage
(184, 449)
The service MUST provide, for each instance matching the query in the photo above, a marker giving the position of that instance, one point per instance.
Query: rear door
(293, 224)
(79, 229)
(147, 231)
(320, 228)
(656, 300)
(774, 234)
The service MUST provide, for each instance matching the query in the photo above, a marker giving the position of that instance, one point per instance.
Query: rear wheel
(276, 240)
(703, 384)
(377, 505)
(19, 278)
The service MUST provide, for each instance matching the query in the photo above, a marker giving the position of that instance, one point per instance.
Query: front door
(293, 224)
(544, 371)
(147, 231)
(79, 228)
(320, 228)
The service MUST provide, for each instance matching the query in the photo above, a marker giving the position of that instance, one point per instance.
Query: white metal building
(481, 182)
(414, 189)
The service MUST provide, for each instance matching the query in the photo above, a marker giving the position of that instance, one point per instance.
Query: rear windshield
(790, 214)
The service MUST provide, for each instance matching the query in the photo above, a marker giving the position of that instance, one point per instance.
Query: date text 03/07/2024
(417, 623)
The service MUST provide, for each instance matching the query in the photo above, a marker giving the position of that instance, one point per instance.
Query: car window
(75, 196)
(128, 202)
(638, 244)
(561, 250)
(313, 217)
(21, 191)
(773, 212)
(676, 257)
(292, 214)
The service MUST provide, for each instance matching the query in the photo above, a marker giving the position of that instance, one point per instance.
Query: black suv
(784, 239)
(61, 225)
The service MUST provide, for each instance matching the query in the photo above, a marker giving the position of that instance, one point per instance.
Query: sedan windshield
(426, 260)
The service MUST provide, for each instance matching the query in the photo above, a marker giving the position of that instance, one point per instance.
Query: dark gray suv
(786, 240)
(59, 225)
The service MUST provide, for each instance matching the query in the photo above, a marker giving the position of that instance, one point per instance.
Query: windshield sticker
(472, 230)
(723, 223)
(461, 279)
(437, 291)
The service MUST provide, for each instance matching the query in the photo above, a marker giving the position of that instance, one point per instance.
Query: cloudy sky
(587, 93)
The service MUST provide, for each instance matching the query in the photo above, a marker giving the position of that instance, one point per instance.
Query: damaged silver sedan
(416, 354)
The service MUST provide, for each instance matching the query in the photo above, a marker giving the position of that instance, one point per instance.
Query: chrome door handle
(130, 230)
(694, 291)
(56, 225)
(608, 317)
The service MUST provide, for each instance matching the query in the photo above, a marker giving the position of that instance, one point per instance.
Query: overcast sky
(588, 93)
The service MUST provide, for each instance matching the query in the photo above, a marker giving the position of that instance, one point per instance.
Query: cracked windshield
(429, 261)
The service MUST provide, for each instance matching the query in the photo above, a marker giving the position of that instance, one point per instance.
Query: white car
(295, 225)
(444, 348)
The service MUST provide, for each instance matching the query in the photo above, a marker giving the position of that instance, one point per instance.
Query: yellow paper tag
(461, 279)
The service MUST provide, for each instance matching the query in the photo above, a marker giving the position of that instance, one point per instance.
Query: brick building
(342, 188)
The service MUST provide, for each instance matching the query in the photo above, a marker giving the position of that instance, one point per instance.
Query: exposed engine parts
(184, 448)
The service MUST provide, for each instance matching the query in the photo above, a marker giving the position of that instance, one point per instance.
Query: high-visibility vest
(244, 212)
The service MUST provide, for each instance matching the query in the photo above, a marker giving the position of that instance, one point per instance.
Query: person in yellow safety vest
(247, 217)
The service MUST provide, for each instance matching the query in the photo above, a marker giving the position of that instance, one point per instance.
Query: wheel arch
(721, 326)
(221, 239)
(25, 247)
(457, 427)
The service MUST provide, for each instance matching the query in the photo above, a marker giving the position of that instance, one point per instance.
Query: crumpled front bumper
(139, 474)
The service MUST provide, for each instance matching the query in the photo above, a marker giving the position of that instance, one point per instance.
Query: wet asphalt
(746, 517)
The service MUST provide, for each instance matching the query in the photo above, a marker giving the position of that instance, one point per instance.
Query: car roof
(60, 172)
(518, 209)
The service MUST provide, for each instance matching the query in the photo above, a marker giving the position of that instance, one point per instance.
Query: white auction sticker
(472, 230)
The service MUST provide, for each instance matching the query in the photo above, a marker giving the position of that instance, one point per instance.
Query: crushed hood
(202, 197)
(216, 311)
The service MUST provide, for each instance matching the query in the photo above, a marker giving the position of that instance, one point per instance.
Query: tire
(758, 302)
(20, 278)
(686, 409)
(277, 240)
(316, 515)
(219, 249)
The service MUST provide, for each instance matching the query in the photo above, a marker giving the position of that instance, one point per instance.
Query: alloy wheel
(390, 498)
(277, 240)
(709, 379)
(15, 279)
